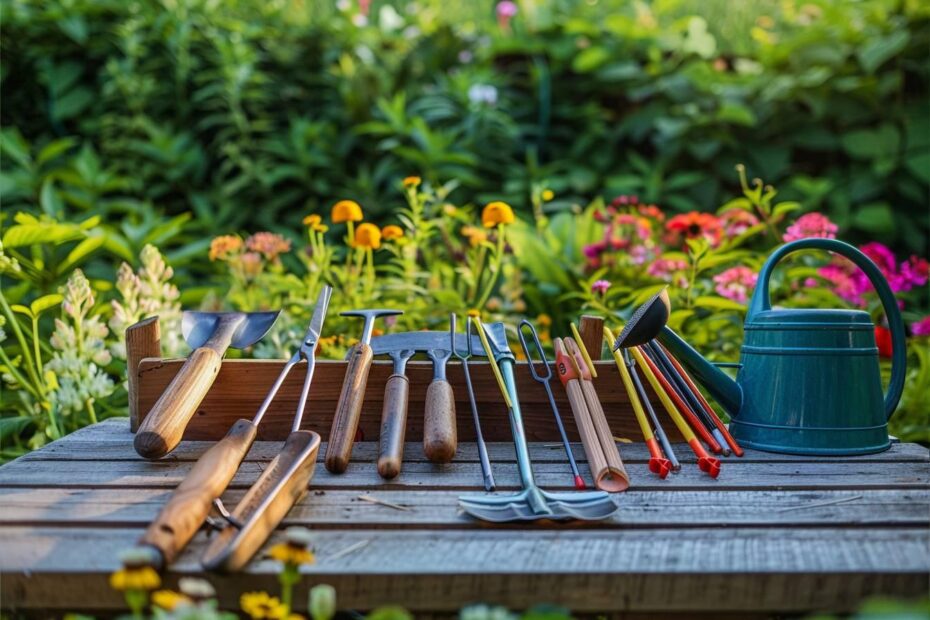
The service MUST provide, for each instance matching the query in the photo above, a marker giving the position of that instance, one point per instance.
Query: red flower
(696, 224)
(883, 341)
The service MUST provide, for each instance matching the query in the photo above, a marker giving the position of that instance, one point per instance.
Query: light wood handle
(593, 451)
(616, 478)
(349, 409)
(190, 503)
(440, 439)
(163, 427)
(280, 486)
(393, 426)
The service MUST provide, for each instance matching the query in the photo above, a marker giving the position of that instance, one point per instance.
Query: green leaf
(10, 427)
(54, 149)
(45, 302)
(81, 250)
(876, 51)
(919, 165)
(32, 234)
(20, 309)
(718, 303)
(590, 59)
(883, 141)
(875, 218)
(736, 114)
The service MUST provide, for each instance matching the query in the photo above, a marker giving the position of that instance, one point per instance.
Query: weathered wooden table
(774, 533)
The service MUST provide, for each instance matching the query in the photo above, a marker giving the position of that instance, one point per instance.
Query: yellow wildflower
(315, 223)
(544, 320)
(392, 232)
(262, 606)
(135, 578)
(291, 554)
(412, 181)
(368, 236)
(169, 600)
(223, 246)
(474, 313)
(346, 211)
(548, 195)
(496, 213)
(475, 236)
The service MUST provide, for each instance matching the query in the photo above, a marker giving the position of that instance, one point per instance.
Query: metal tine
(545, 379)
(479, 438)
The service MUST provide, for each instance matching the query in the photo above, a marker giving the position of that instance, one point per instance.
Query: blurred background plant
(189, 154)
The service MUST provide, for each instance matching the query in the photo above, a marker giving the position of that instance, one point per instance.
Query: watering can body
(809, 380)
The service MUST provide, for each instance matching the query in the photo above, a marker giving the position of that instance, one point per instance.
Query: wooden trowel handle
(190, 503)
(163, 427)
(349, 409)
(393, 426)
(440, 440)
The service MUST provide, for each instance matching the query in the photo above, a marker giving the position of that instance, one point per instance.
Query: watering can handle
(761, 302)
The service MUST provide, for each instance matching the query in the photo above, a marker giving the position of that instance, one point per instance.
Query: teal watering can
(808, 380)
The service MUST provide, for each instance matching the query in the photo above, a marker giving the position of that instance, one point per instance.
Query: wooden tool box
(242, 384)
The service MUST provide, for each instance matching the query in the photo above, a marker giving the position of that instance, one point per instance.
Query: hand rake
(532, 503)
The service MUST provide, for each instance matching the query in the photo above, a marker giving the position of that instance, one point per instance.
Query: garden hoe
(277, 489)
(532, 503)
(209, 334)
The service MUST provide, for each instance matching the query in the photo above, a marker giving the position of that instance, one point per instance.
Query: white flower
(482, 94)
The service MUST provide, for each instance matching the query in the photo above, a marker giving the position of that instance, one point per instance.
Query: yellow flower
(475, 236)
(315, 223)
(474, 313)
(412, 181)
(548, 195)
(223, 246)
(169, 599)
(392, 232)
(368, 236)
(346, 211)
(495, 213)
(135, 578)
(291, 554)
(262, 606)
(544, 320)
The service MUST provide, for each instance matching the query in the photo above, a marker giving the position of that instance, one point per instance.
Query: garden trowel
(209, 334)
(439, 432)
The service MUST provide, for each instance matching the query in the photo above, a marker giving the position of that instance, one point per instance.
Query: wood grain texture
(440, 439)
(393, 426)
(242, 384)
(348, 409)
(264, 505)
(163, 426)
(190, 504)
(591, 329)
(615, 479)
(143, 339)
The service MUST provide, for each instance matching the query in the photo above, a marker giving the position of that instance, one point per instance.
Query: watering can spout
(724, 389)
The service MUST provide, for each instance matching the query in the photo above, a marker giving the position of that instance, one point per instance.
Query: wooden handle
(440, 440)
(163, 427)
(593, 451)
(190, 503)
(393, 426)
(349, 409)
(266, 503)
(616, 478)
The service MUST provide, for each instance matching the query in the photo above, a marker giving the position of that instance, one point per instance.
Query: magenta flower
(852, 284)
(735, 283)
(921, 327)
(811, 225)
(505, 11)
(737, 221)
(600, 287)
(594, 250)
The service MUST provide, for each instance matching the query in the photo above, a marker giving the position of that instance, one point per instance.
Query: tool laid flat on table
(209, 334)
(439, 432)
(267, 501)
(532, 503)
(349, 409)
(544, 379)
(486, 472)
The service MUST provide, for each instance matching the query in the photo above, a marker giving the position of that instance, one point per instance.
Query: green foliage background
(248, 114)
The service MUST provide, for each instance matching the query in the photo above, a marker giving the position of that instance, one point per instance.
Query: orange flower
(412, 181)
(268, 244)
(392, 232)
(475, 236)
(346, 211)
(368, 236)
(696, 224)
(496, 213)
(315, 223)
(223, 246)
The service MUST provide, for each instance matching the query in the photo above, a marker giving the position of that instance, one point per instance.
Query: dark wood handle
(280, 486)
(190, 503)
(163, 427)
(349, 409)
(440, 440)
(393, 426)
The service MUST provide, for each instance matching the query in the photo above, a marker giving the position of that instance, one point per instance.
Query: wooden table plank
(339, 509)
(728, 570)
(787, 476)
(111, 440)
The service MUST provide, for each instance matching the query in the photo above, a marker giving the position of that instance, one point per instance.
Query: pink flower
(845, 284)
(811, 225)
(638, 254)
(921, 327)
(735, 283)
(600, 287)
(670, 270)
(268, 244)
(505, 12)
(594, 250)
(737, 221)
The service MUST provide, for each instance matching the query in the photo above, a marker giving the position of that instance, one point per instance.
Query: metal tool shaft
(479, 437)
